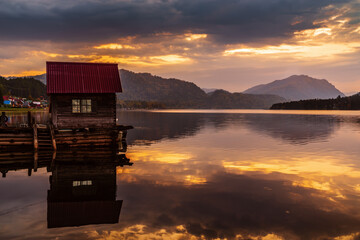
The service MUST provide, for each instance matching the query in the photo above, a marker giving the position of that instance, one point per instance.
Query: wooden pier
(46, 137)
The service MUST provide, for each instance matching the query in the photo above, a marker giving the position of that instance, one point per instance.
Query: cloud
(224, 21)
(200, 41)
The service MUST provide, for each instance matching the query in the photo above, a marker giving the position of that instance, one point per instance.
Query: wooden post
(53, 161)
(52, 133)
(29, 119)
(36, 142)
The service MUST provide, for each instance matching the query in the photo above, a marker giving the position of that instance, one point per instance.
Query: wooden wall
(103, 113)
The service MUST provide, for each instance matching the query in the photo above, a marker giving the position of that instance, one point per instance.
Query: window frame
(82, 106)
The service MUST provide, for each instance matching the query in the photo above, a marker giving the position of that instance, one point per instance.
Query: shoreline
(22, 110)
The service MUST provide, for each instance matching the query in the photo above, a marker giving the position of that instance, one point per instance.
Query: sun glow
(297, 51)
(26, 73)
(170, 59)
(114, 46)
(191, 37)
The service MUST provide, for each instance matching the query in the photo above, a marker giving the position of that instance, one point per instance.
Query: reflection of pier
(82, 183)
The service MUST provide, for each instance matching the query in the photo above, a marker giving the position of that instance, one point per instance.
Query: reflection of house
(82, 194)
(83, 94)
(82, 184)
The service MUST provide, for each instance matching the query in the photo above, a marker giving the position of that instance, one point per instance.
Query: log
(30, 143)
(52, 134)
(36, 143)
(12, 140)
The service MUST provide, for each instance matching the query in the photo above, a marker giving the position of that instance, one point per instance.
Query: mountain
(175, 93)
(143, 90)
(41, 78)
(221, 99)
(172, 92)
(23, 87)
(339, 103)
(298, 87)
(210, 90)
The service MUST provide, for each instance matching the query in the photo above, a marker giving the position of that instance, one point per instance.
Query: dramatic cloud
(259, 40)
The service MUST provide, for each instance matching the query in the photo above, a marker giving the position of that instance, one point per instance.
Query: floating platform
(45, 137)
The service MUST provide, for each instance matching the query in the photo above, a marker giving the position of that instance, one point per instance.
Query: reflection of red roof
(70, 214)
(70, 77)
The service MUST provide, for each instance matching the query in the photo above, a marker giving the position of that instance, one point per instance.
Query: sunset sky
(229, 44)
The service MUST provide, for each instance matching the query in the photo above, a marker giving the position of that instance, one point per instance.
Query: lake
(198, 174)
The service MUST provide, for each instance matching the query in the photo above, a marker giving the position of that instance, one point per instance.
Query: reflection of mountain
(153, 126)
(297, 129)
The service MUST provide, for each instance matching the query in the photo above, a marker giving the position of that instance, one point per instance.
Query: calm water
(208, 174)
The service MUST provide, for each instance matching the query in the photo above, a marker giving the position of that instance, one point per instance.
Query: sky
(228, 44)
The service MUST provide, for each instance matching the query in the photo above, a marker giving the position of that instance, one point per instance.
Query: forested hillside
(339, 103)
(139, 88)
(22, 87)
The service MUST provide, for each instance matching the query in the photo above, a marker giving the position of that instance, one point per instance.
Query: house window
(81, 105)
(76, 106)
(82, 183)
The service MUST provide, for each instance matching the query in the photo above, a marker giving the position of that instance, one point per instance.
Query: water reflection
(82, 194)
(230, 205)
(296, 129)
(82, 184)
(20, 118)
(196, 176)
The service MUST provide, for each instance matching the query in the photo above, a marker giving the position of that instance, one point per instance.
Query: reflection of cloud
(229, 205)
(160, 156)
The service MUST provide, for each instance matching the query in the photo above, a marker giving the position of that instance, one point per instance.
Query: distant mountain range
(175, 93)
(298, 87)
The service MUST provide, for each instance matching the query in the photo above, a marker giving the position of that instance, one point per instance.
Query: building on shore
(82, 95)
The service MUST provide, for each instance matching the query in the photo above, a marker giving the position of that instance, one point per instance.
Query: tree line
(22, 87)
(339, 103)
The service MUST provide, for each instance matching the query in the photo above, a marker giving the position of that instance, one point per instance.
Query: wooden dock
(45, 137)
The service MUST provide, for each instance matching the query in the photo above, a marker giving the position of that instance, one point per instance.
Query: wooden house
(82, 95)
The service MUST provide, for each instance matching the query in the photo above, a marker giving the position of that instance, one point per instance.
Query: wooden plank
(15, 139)
(29, 143)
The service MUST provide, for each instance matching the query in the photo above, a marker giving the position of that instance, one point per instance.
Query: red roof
(71, 77)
